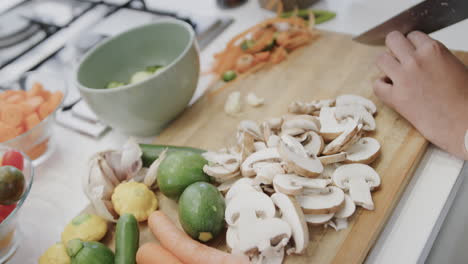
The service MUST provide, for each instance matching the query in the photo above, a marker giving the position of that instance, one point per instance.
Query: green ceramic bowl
(143, 108)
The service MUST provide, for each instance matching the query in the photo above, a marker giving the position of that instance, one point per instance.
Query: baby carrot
(151, 253)
(12, 114)
(185, 248)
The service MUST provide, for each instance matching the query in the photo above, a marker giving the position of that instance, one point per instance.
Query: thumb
(383, 90)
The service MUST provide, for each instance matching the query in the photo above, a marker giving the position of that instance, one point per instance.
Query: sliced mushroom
(331, 128)
(302, 137)
(338, 224)
(304, 122)
(273, 141)
(232, 239)
(222, 165)
(351, 99)
(292, 184)
(350, 135)
(357, 112)
(252, 128)
(241, 186)
(249, 202)
(225, 186)
(328, 170)
(294, 145)
(322, 203)
(246, 143)
(318, 219)
(269, 154)
(365, 151)
(334, 158)
(260, 234)
(266, 172)
(359, 179)
(271, 255)
(348, 209)
(259, 145)
(275, 123)
(314, 143)
(309, 108)
(292, 213)
(304, 166)
(253, 100)
(233, 104)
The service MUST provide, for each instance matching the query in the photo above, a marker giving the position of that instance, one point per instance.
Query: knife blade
(427, 16)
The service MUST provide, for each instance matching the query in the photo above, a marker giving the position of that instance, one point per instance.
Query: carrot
(261, 56)
(55, 100)
(45, 95)
(7, 132)
(185, 248)
(34, 102)
(32, 120)
(36, 90)
(151, 253)
(15, 98)
(44, 110)
(12, 114)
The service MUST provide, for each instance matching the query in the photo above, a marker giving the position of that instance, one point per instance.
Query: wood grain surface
(331, 66)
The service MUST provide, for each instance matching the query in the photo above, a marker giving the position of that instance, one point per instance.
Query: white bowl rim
(184, 24)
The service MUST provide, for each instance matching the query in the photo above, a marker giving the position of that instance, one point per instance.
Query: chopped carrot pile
(269, 42)
(20, 111)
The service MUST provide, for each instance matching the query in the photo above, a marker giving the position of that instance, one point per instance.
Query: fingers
(383, 90)
(399, 45)
(388, 65)
(418, 39)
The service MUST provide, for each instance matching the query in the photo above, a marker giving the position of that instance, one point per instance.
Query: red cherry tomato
(13, 158)
(5, 211)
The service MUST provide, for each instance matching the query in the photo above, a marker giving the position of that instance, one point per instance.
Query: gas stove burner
(14, 29)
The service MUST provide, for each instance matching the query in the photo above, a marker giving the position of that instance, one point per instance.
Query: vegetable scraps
(137, 76)
(269, 42)
(20, 111)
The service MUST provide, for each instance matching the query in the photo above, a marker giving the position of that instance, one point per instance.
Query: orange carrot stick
(151, 253)
(32, 121)
(185, 248)
(12, 114)
(34, 102)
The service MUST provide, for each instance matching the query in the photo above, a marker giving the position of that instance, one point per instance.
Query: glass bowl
(10, 233)
(37, 142)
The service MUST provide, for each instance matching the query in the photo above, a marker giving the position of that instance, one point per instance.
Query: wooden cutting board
(331, 66)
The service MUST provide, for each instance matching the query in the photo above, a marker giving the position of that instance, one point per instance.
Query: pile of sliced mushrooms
(307, 167)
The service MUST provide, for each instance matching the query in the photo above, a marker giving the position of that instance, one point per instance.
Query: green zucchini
(152, 152)
(127, 238)
(178, 170)
(321, 16)
(201, 211)
(89, 252)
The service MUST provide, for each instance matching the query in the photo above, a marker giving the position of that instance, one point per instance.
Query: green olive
(11, 185)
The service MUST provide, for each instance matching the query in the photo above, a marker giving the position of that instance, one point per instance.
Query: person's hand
(428, 86)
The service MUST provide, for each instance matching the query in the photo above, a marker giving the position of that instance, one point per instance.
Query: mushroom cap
(334, 158)
(351, 99)
(365, 151)
(357, 112)
(348, 209)
(298, 163)
(252, 128)
(292, 184)
(322, 203)
(314, 143)
(293, 215)
(318, 219)
(304, 122)
(268, 154)
(266, 171)
(293, 144)
(240, 186)
(224, 187)
(344, 174)
(249, 202)
(350, 135)
(331, 128)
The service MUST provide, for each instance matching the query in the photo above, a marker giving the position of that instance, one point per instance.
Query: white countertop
(56, 196)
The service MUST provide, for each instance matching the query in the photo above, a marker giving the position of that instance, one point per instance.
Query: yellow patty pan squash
(134, 198)
(87, 227)
(56, 254)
